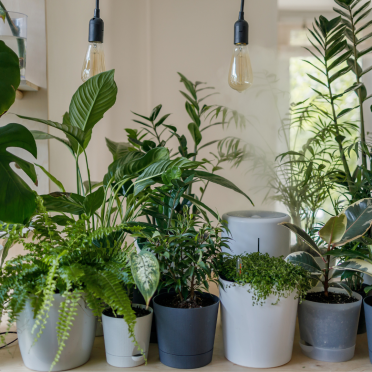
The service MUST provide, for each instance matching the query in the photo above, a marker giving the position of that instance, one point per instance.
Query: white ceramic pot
(40, 356)
(257, 336)
(120, 349)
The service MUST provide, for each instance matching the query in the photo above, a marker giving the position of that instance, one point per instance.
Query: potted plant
(259, 298)
(329, 316)
(122, 349)
(65, 279)
(186, 315)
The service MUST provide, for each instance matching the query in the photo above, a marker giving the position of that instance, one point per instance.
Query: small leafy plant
(266, 276)
(188, 254)
(349, 226)
(76, 263)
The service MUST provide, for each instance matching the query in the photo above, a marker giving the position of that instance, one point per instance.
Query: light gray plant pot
(328, 331)
(40, 356)
(121, 351)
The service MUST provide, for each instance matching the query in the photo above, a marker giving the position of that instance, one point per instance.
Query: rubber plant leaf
(302, 235)
(306, 261)
(17, 200)
(146, 273)
(333, 231)
(356, 265)
(92, 100)
(359, 220)
(10, 77)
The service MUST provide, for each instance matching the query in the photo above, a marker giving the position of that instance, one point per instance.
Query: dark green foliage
(266, 275)
(187, 253)
(77, 263)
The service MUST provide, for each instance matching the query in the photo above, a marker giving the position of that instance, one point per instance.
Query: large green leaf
(305, 260)
(93, 98)
(39, 135)
(94, 201)
(118, 149)
(359, 220)
(73, 132)
(124, 168)
(17, 200)
(159, 168)
(343, 286)
(333, 231)
(214, 178)
(10, 77)
(76, 148)
(146, 273)
(302, 235)
(64, 203)
(356, 265)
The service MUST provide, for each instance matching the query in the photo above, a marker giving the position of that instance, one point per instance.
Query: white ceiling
(306, 5)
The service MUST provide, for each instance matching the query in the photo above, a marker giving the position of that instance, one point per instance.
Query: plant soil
(333, 298)
(139, 313)
(174, 302)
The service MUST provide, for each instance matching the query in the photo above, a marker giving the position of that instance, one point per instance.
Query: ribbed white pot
(257, 336)
(120, 349)
(40, 356)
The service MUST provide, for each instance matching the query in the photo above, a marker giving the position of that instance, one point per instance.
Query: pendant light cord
(97, 4)
(241, 13)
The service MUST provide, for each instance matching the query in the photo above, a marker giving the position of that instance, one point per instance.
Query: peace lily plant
(347, 227)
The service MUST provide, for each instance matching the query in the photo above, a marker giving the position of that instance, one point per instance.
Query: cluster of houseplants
(89, 251)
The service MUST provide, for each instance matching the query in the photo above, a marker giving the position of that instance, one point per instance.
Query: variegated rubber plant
(349, 226)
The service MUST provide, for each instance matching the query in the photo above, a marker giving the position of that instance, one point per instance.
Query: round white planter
(40, 356)
(257, 336)
(120, 349)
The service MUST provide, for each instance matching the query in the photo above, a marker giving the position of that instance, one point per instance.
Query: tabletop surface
(11, 361)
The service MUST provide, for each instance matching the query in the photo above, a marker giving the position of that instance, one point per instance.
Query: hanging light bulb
(241, 74)
(94, 62)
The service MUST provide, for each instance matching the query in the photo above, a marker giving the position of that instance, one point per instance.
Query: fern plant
(76, 262)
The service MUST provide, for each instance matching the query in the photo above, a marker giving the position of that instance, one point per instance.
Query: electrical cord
(5, 333)
(97, 4)
(242, 7)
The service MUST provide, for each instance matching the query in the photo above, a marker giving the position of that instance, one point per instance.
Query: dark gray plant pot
(368, 315)
(186, 336)
(328, 331)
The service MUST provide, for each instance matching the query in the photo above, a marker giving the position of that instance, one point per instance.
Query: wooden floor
(11, 361)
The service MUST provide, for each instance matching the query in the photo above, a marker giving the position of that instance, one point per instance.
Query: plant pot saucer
(327, 355)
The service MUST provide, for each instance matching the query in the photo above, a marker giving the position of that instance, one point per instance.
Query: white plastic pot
(120, 348)
(257, 336)
(40, 356)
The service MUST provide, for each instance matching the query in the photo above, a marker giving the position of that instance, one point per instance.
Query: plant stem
(326, 273)
(90, 185)
(362, 128)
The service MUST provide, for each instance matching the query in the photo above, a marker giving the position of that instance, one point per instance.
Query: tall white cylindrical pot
(120, 348)
(257, 336)
(257, 231)
(40, 356)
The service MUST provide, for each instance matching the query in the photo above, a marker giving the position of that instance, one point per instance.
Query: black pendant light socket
(241, 29)
(96, 28)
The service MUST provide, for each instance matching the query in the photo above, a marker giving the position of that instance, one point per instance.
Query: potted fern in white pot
(57, 289)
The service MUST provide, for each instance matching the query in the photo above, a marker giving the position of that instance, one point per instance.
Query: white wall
(147, 42)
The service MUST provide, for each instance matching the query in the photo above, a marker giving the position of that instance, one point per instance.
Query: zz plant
(76, 262)
(267, 276)
(340, 230)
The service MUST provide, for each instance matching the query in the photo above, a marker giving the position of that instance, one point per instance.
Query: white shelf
(27, 86)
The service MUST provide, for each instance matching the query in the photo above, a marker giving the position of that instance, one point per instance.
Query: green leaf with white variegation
(91, 101)
(146, 273)
(356, 265)
(333, 231)
(302, 235)
(359, 220)
(306, 261)
(343, 286)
